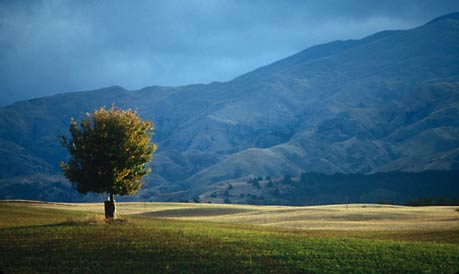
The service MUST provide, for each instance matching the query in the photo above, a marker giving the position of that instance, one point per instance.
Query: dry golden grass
(72, 238)
(354, 217)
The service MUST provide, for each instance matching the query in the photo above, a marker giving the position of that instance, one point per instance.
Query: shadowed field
(40, 237)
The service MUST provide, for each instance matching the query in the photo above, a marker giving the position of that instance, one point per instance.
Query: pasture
(38, 237)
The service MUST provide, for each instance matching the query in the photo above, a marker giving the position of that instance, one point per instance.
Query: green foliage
(270, 183)
(287, 179)
(109, 152)
(255, 181)
(196, 199)
(256, 200)
(275, 192)
(432, 187)
(425, 201)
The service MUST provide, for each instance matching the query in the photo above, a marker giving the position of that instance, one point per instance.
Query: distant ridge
(453, 16)
(387, 102)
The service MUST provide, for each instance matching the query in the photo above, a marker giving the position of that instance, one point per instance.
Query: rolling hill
(39, 237)
(387, 102)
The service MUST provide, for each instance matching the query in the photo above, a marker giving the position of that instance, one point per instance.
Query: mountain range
(388, 102)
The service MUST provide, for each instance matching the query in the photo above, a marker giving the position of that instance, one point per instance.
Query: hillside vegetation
(404, 188)
(195, 238)
(383, 103)
(434, 187)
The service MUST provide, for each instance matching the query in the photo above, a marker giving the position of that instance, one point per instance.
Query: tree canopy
(109, 152)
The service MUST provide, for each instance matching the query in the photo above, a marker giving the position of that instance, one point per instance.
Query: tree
(287, 179)
(270, 183)
(109, 152)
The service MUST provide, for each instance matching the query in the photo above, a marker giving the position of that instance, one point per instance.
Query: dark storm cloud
(55, 46)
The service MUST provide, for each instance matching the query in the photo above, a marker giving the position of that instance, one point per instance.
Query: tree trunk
(110, 209)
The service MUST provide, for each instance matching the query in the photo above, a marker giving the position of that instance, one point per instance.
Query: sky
(50, 46)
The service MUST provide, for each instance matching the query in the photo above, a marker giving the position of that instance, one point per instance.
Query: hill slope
(387, 102)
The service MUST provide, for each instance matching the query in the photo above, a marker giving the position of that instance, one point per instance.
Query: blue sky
(50, 46)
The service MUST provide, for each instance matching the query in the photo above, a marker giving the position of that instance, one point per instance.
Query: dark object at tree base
(109, 209)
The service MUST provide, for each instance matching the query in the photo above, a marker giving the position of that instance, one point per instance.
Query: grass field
(207, 238)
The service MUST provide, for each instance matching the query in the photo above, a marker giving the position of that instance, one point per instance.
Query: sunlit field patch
(38, 238)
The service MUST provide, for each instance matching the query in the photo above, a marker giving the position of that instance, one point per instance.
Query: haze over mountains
(387, 102)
